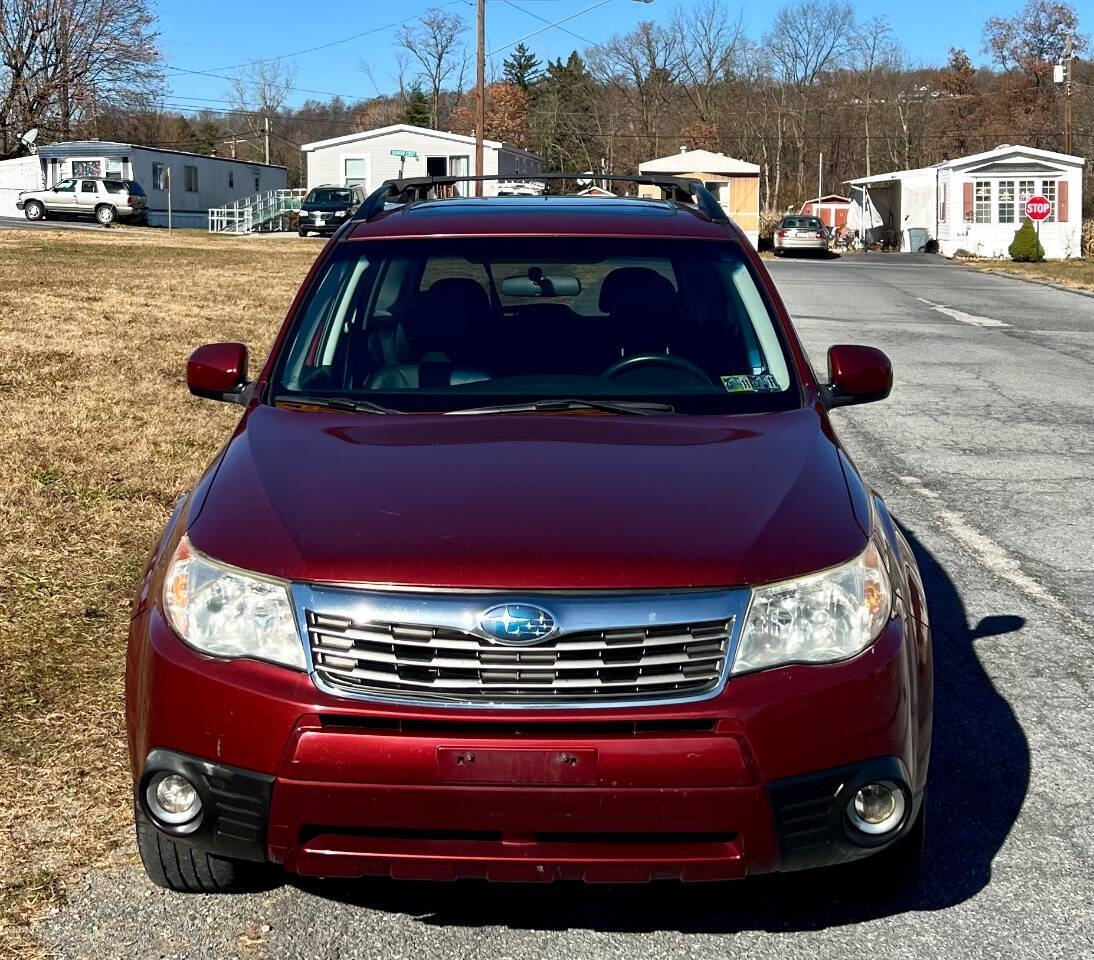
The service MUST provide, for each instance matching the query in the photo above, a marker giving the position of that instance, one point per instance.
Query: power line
(550, 26)
(335, 43)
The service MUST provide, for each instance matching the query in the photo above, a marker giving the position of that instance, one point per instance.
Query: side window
(66, 186)
(89, 186)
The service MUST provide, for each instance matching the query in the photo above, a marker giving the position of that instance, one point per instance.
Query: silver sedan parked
(801, 233)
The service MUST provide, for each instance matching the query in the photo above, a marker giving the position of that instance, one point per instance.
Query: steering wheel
(627, 364)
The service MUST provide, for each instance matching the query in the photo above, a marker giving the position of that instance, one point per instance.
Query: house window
(231, 180)
(190, 176)
(1006, 201)
(1048, 191)
(115, 170)
(982, 202)
(356, 171)
(87, 168)
(159, 180)
(942, 202)
(258, 182)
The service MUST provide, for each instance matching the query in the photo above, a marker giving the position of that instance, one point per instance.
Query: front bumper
(748, 782)
(329, 224)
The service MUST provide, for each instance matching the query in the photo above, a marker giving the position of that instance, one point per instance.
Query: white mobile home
(196, 182)
(974, 203)
(401, 150)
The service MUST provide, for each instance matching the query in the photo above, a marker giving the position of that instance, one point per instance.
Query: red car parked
(534, 555)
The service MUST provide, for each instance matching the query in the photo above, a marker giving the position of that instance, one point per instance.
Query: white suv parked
(105, 200)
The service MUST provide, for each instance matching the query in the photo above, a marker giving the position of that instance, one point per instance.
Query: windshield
(803, 223)
(446, 325)
(328, 195)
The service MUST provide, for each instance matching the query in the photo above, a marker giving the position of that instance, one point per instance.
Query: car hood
(531, 502)
(323, 207)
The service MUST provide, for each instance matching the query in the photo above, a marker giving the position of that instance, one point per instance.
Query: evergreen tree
(1026, 246)
(416, 110)
(521, 67)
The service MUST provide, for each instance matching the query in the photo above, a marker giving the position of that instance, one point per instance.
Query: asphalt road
(22, 223)
(985, 453)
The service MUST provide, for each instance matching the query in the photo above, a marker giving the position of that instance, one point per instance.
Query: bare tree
(641, 67)
(710, 42)
(434, 44)
(259, 93)
(63, 60)
(873, 51)
(808, 41)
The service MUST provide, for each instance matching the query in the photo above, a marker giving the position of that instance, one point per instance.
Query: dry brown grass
(1077, 273)
(98, 437)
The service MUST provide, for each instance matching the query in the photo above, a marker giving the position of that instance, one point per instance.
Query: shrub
(962, 254)
(1026, 247)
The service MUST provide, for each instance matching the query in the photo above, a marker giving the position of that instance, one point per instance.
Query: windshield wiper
(336, 403)
(640, 407)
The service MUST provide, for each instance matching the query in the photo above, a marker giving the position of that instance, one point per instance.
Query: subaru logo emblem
(517, 623)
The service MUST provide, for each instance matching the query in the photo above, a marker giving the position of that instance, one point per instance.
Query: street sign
(1038, 208)
(405, 154)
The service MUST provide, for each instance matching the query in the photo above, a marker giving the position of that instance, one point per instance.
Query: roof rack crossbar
(414, 189)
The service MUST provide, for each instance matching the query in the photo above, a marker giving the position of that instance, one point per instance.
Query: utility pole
(1067, 94)
(480, 87)
(820, 177)
(267, 119)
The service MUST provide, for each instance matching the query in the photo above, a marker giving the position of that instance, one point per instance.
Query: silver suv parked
(105, 200)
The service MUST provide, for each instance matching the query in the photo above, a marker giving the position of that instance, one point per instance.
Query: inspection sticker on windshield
(764, 383)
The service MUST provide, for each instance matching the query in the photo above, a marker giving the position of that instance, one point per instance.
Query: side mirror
(218, 371)
(857, 375)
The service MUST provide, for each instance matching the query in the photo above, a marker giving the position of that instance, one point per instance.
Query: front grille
(650, 663)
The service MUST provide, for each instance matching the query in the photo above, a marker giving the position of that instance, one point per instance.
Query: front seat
(441, 329)
(644, 309)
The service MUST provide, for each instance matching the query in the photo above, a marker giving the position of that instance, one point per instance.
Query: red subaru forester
(534, 555)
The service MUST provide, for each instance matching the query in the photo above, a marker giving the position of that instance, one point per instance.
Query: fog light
(172, 798)
(877, 808)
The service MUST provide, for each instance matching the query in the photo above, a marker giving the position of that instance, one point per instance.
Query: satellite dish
(28, 138)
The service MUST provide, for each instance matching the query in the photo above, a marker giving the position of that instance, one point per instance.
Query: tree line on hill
(823, 96)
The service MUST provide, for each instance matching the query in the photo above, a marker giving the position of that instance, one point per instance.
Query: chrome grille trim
(610, 650)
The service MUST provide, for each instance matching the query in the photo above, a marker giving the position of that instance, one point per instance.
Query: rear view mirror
(857, 374)
(540, 284)
(218, 371)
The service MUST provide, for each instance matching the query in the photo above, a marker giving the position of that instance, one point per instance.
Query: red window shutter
(1061, 201)
(968, 202)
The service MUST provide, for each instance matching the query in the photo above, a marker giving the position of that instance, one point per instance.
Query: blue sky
(203, 35)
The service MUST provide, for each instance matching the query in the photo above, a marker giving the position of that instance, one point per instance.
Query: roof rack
(414, 189)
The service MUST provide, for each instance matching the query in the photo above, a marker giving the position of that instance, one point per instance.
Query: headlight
(229, 613)
(821, 618)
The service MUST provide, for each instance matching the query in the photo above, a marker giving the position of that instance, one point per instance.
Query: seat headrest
(637, 289)
(445, 315)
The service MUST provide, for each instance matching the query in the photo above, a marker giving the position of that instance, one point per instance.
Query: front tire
(33, 210)
(186, 869)
(105, 214)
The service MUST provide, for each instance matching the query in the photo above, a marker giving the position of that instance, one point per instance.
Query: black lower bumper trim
(235, 804)
(811, 813)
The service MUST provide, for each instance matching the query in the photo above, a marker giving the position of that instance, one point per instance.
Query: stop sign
(1038, 208)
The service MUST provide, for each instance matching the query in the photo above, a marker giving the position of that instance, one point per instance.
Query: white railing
(263, 211)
